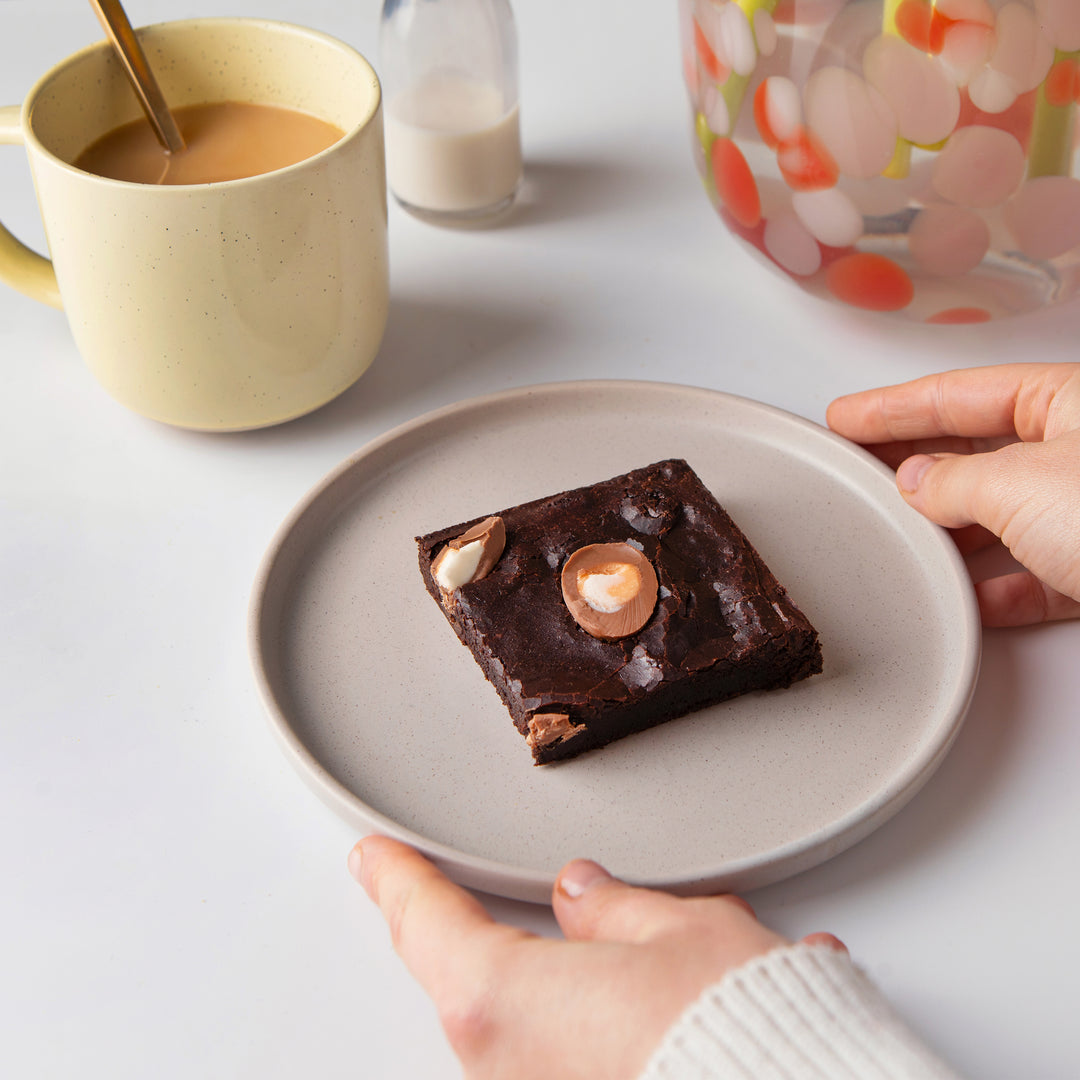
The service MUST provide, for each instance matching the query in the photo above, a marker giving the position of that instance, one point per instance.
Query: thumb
(1024, 493)
(956, 490)
(591, 905)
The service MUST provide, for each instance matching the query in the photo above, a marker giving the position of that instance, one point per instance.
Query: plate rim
(532, 885)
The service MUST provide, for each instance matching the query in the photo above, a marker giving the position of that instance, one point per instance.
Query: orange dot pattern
(873, 282)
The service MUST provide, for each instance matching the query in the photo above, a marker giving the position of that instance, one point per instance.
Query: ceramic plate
(391, 722)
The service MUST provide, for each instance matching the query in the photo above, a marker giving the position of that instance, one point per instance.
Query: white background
(173, 900)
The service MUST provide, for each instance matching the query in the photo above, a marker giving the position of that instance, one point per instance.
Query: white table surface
(174, 899)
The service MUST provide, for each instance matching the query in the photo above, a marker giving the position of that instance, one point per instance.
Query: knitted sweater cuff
(803, 1012)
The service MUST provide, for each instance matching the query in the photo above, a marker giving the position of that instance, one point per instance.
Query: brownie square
(722, 625)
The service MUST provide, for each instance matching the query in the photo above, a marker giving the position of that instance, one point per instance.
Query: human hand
(594, 1006)
(990, 452)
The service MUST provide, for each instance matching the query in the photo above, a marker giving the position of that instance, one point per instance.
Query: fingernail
(579, 876)
(911, 472)
(829, 940)
(356, 860)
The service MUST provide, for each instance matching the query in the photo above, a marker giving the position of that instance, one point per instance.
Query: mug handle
(21, 267)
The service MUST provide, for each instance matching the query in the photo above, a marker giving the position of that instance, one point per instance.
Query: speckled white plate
(390, 721)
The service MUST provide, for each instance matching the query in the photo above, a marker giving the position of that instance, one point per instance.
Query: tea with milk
(226, 140)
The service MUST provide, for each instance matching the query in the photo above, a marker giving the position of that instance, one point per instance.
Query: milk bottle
(453, 140)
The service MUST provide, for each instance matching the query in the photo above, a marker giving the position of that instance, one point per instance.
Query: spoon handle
(115, 22)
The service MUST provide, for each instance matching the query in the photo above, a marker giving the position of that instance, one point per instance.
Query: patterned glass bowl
(917, 157)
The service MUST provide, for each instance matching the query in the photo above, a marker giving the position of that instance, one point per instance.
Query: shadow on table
(427, 343)
(432, 341)
(562, 190)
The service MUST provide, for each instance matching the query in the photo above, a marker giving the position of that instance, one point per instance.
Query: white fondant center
(609, 592)
(458, 565)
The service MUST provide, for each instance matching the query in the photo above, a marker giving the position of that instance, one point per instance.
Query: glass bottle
(449, 70)
(914, 157)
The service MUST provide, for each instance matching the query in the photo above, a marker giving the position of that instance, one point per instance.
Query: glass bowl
(914, 157)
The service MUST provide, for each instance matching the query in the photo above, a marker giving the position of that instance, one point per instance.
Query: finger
(442, 933)
(591, 905)
(1021, 599)
(969, 538)
(986, 402)
(961, 490)
(1022, 493)
(822, 938)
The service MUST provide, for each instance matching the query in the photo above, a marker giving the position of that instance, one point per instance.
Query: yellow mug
(220, 306)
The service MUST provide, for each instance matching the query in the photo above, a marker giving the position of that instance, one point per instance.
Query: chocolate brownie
(716, 624)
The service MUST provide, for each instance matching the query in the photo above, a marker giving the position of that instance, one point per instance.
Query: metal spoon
(115, 21)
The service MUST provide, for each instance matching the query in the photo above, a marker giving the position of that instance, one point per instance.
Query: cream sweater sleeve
(803, 1012)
